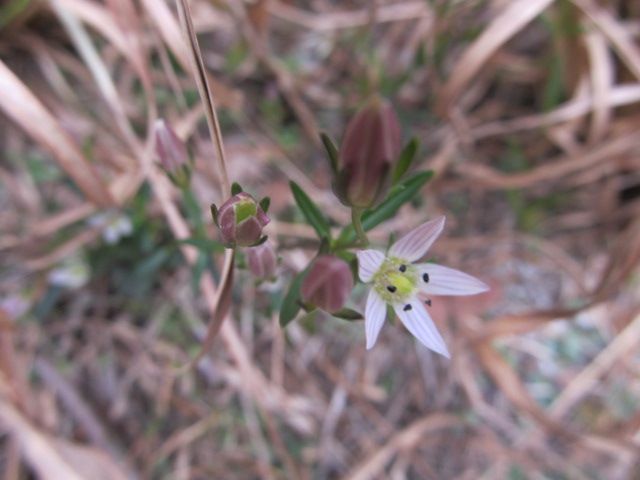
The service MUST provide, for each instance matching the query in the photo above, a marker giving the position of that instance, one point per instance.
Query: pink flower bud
(370, 146)
(328, 283)
(172, 153)
(241, 220)
(261, 260)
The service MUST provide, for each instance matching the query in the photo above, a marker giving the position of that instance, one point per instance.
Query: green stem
(356, 220)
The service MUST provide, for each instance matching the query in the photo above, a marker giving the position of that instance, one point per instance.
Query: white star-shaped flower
(397, 281)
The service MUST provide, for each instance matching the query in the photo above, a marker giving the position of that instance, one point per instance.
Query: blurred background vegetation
(527, 112)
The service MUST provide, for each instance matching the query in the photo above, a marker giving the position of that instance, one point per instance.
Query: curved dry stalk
(220, 308)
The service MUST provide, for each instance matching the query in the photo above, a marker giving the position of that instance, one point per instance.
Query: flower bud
(328, 283)
(370, 146)
(241, 220)
(172, 153)
(261, 260)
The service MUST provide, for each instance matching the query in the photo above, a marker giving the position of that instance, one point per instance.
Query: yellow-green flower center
(245, 209)
(396, 280)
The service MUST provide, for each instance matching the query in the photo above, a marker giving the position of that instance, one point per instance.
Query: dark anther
(428, 302)
(407, 307)
(403, 268)
(391, 288)
(425, 277)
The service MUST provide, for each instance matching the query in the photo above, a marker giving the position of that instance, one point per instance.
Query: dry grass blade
(99, 18)
(205, 92)
(618, 36)
(602, 81)
(587, 379)
(618, 96)
(348, 19)
(514, 389)
(16, 388)
(504, 376)
(406, 439)
(99, 70)
(55, 459)
(81, 412)
(25, 109)
(507, 24)
(170, 32)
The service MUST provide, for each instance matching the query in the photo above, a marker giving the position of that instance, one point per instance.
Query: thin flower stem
(356, 220)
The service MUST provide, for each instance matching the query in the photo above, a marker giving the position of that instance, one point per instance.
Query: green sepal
(348, 314)
(308, 320)
(307, 307)
(260, 241)
(214, 213)
(332, 152)
(265, 203)
(235, 188)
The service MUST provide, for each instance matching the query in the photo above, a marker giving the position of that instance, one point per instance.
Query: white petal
(441, 280)
(374, 315)
(369, 262)
(418, 321)
(415, 244)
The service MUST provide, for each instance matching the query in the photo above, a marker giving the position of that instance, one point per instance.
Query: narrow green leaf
(399, 195)
(348, 314)
(235, 188)
(310, 211)
(405, 160)
(291, 303)
(332, 151)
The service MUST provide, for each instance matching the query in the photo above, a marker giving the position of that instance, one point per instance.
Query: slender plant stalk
(356, 220)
